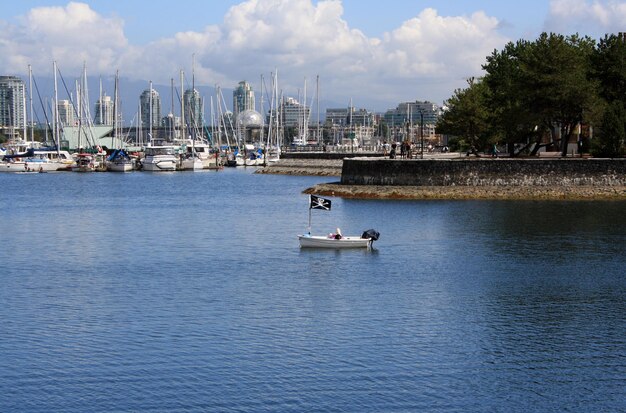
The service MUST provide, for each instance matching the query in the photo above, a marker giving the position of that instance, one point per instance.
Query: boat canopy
(28, 154)
(118, 154)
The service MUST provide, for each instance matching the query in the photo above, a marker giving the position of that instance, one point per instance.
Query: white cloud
(437, 48)
(71, 35)
(595, 18)
(427, 57)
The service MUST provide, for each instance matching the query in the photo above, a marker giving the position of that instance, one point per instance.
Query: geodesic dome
(250, 119)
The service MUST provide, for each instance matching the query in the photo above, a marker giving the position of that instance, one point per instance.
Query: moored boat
(159, 158)
(120, 161)
(85, 162)
(37, 160)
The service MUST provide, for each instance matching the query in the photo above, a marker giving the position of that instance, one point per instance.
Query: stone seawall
(304, 166)
(500, 172)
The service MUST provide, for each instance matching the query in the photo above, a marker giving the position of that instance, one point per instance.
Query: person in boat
(338, 234)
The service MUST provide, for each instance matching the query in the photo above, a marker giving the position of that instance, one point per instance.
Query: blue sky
(375, 52)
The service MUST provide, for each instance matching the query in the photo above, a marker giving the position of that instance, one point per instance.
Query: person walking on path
(494, 151)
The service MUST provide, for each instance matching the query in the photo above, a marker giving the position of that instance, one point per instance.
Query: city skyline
(367, 52)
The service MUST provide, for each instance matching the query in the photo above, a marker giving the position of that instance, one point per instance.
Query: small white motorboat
(317, 241)
(336, 240)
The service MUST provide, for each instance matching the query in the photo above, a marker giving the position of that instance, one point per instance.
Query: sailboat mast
(262, 122)
(115, 108)
(182, 107)
(173, 120)
(78, 113)
(55, 108)
(317, 97)
(304, 125)
(150, 115)
(30, 89)
(194, 109)
(101, 104)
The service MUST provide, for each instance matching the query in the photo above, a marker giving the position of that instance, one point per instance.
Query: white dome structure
(250, 119)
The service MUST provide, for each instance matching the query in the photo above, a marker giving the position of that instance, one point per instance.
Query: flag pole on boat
(310, 208)
(315, 202)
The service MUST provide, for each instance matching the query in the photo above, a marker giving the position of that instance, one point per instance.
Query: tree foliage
(612, 133)
(537, 89)
(608, 66)
(467, 116)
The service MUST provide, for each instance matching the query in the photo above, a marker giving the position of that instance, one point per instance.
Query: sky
(374, 54)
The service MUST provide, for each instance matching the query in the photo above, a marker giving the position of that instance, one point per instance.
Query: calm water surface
(185, 292)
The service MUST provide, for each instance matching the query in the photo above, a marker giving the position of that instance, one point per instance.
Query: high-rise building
(420, 117)
(67, 115)
(193, 108)
(243, 98)
(12, 103)
(350, 117)
(412, 112)
(294, 113)
(104, 111)
(150, 113)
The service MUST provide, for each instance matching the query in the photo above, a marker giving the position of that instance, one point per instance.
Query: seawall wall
(484, 172)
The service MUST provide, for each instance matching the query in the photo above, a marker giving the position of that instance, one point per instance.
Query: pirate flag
(319, 203)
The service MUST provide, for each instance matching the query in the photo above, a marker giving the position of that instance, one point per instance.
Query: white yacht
(37, 160)
(160, 158)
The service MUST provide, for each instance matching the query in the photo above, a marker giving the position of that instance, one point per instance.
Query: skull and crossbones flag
(319, 203)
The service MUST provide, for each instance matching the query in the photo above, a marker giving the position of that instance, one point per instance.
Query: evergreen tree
(612, 134)
(467, 116)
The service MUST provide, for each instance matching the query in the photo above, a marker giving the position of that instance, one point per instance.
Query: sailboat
(190, 158)
(336, 240)
(119, 160)
(28, 157)
(272, 146)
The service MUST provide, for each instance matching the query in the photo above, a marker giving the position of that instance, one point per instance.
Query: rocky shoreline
(572, 193)
(329, 168)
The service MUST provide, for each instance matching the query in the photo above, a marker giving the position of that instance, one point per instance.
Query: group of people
(406, 149)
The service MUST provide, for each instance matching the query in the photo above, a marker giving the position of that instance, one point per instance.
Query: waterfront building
(349, 116)
(67, 114)
(412, 119)
(104, 111)
(193, 108)
(12, 104)
(294, 113)
(350, 126)
(243, 98)
(150, 113)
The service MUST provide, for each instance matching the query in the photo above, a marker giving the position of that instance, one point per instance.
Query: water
(188, 292)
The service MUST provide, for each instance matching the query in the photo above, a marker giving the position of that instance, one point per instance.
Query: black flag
(319, 203)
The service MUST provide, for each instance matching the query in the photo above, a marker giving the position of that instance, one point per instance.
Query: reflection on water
(188, 292)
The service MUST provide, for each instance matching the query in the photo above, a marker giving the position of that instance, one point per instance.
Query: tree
(512, 118)
(612, 135)
(557, 87)
(467, 116)
(609, 67)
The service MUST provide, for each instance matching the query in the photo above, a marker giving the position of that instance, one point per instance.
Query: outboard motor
(371, 233)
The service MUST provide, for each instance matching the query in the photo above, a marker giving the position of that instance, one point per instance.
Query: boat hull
(34, 166)
(313, 241)
(159, 165)
(114, 166)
